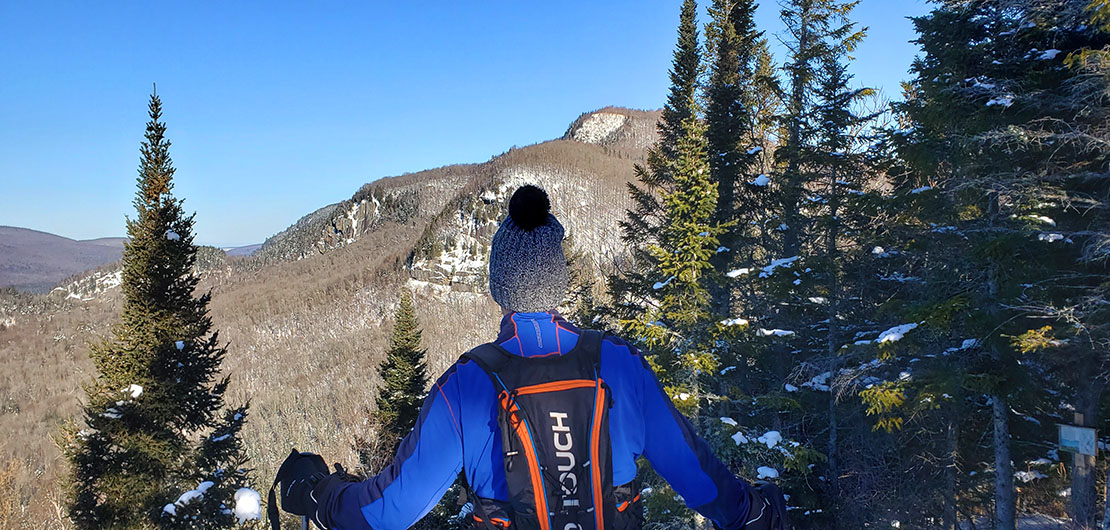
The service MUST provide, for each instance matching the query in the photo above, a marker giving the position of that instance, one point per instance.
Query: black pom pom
(529, 207)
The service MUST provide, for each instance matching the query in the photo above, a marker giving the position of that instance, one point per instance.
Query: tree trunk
(1106, 509)
(1005, 500)
(832, 259)
(951, 451)
(1083, 487)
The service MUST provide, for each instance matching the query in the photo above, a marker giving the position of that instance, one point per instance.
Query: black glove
(297, 476)
(767, 507)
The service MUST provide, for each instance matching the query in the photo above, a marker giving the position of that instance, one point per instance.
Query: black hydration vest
(553, 412)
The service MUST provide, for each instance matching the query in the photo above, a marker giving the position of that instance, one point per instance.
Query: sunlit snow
(188, 496)
(771, 438)
(736, 273)
(783, 262)
(248, 505)
(896, 333)
(766, 472)
(775, 332)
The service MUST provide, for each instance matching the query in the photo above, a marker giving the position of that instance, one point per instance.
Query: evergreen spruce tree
(676, 332)
(631, 288)
(734, 146)
(996, 168)
(399, 401)
(404, 380)
(156, 450)
(784, 231)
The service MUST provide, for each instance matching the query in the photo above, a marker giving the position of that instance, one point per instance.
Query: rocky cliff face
(460, 206)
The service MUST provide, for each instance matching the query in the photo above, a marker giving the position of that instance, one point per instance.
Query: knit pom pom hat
(527, 267)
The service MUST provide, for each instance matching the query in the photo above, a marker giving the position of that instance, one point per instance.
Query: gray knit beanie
(527, 268)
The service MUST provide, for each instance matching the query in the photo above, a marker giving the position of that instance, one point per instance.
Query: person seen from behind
(546, 422)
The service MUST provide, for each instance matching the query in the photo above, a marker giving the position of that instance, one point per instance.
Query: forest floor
(1025, 522)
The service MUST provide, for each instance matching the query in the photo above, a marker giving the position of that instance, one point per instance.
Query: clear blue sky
(278, 108)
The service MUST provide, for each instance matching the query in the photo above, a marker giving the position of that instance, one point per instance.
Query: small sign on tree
(1075, 439)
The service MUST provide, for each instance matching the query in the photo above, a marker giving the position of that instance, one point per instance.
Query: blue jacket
(457, 430)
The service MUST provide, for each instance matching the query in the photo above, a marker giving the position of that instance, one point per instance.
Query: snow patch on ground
(134, 390)
(734, 322)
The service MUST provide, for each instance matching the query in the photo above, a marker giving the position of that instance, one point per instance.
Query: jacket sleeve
(685, 460)
(426, 464)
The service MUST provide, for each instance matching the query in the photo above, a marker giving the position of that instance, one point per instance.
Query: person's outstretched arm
(426, 464)
(684, 459)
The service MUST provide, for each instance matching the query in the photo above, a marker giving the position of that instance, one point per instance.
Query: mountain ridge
(35, 261)
(585, 171)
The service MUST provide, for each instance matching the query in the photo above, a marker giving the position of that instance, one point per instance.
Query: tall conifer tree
(1002, 128)
(154, 428)
(733, 143)
(631, 289)
(403, 373)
